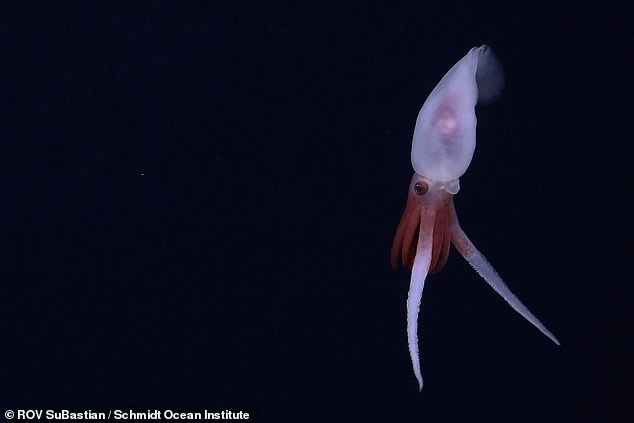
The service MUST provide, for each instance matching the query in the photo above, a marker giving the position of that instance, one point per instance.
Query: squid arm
(482, 266)
(421, 264)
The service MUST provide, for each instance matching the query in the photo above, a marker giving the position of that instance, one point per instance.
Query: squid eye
(421, 188)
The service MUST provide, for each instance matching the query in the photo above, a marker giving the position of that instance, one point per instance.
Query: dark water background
(197, 203)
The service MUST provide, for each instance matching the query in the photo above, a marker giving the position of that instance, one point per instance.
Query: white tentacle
(415, 295)
(481, 265)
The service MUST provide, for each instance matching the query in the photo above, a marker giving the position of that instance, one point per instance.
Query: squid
(442, 148)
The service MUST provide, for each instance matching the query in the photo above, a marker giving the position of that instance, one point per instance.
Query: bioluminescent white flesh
(445, 132)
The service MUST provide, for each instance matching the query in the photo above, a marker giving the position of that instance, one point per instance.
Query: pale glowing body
(442, 149)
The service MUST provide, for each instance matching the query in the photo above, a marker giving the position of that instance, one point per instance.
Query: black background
(197, 203)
